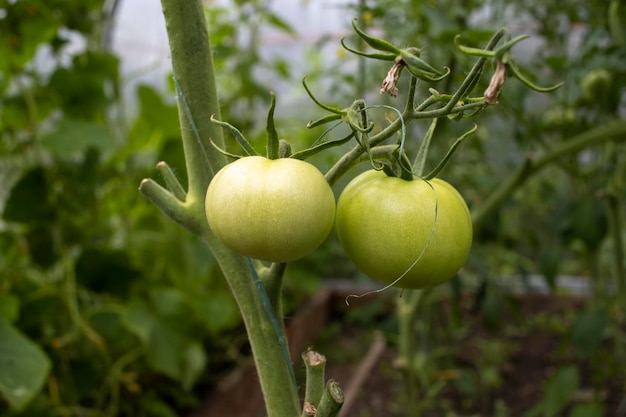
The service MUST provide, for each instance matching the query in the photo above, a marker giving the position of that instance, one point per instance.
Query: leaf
(279, 23)
(218, 311)
(165, 348)
(588, 330)
(106, 270)
(588, 221)
(29, 199)
(9, 307)
(41, 245)
(28, 26)
(193, 363)
(73, 137)
(170, 351)
(550, 262)
(558, 392)
(24, 367)
(156, 407)
(170, 302)
(139, 320)
(156, 122)
(587, 410)
(84, 89)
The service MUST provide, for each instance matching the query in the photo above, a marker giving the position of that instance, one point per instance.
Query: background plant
(105, 223)
(574, 189)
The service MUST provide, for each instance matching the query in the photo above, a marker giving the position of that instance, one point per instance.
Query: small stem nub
(315, 364)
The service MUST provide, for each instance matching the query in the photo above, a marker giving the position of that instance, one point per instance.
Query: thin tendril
(326, 132)
(402, 132)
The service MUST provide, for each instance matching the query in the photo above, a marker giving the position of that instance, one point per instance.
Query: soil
(496, 363)
(533, 357)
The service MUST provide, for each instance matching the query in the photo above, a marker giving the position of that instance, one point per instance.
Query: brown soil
(514, 357)
(533, 358)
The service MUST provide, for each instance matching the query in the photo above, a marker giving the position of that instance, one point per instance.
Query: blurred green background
(112, 310)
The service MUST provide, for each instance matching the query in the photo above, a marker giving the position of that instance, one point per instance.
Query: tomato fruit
(275, 210)
(596, 84)
(385, 223)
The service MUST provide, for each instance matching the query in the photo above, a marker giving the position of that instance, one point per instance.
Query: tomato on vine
(419, 231)
(275, 210)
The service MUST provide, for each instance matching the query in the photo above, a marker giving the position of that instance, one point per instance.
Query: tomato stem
(331, 401)
(451, 106)
(610, 131)
(194, 74)
(315, 365)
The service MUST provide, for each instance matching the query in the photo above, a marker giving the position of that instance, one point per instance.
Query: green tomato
(274, 210)
(596, 84)
(391, 228)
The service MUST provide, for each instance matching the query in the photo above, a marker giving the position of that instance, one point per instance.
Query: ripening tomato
(275, 210)
(596, 85)
(389, 225)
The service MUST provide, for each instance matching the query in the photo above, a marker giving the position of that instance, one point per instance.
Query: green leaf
(41, 245)
(84, 89)
(170, 351)
(73, 137)
(558, 392)
(218, 311)
(139, 320)
(587, 410)
(24, 367)
(165, 348)
(549, 262)
(29, 199)
(156, 123)
(277, 22)
(156, 407)
(170, 302)
(105, 270)
(193, 362)
(9, 307)
(588, 330)
(24, 28)
(174, 354)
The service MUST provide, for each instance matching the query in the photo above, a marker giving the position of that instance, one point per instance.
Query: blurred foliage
(128, 309)
(120, 312)
(565, 220)
(557, 222)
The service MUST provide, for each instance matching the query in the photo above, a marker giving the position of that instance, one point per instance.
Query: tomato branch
(611, 131)
(197, 102)
(192, 63)
(411, 112)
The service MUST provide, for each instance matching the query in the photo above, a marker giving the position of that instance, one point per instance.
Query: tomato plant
(388, 226)
(275, 210)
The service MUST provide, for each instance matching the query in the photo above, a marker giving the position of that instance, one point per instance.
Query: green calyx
(275, 148)
(281, 148)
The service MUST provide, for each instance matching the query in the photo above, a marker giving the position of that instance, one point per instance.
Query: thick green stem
(273, 368)
(610, 131)
(197, 102)
(192, 62)
(407, 308)
(272, 280)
